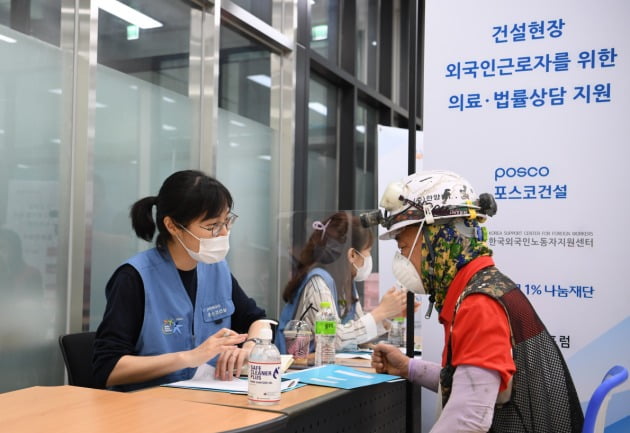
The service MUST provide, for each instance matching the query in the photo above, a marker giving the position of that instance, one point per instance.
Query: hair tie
(317, 225)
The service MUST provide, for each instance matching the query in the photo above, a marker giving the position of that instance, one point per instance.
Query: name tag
(215, 312)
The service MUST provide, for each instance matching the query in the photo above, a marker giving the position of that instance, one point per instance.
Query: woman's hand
(393, 302)
(225, 340)
(231, 362)
(416, 307)
(389, 359)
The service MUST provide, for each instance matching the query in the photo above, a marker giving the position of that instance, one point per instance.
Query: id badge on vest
(218, 311)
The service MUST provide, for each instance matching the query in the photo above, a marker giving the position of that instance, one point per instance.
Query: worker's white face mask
(211, 250)
(405, 272)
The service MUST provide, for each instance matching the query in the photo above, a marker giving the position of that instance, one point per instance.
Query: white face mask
(211, 250)
(365, 270)
(405, 272)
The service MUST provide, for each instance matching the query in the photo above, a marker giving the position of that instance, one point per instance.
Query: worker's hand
(392, 303)
(389, 359)
(231, 362)
(221, 342)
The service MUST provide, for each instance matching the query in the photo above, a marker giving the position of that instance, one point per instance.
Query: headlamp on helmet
(429, 197)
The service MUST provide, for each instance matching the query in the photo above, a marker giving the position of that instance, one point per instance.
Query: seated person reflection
(336, 255)
(177, 306)
(16, 276)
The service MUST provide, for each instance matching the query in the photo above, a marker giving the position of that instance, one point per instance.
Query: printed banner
(529, 102)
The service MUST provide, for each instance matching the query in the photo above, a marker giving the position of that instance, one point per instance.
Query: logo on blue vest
(172, 326)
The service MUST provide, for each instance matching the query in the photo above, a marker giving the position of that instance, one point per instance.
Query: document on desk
(361, 358)
(340, 376)
(354, 359)
(204, 379)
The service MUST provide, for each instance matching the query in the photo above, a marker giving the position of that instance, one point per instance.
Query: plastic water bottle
(263, 379)
(325, 333)
(396, 336)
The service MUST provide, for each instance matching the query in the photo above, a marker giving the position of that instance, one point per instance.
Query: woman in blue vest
(177, 306)
(337, 254)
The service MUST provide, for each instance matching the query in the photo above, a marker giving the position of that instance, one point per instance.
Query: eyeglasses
(216, 228)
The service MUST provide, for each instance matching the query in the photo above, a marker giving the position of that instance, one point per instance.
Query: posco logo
(501, 172)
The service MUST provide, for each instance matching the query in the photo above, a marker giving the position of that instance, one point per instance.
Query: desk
(70, 409)
(287, 400)
(377, 408)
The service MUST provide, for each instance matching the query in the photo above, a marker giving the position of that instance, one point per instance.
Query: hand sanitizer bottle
(263, 380)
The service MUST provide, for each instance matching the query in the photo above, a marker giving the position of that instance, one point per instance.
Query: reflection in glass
(158, 54)
(247, 146)
(367, 41)
(369, 289)
(143, 129)
(365, 181)
(323, 180)
(244, 166)
(400, 61)
(365, 157)
(259, 8)
(325, 28)
(399, 57)
(40, 19)
(244, 76)
(32, 192)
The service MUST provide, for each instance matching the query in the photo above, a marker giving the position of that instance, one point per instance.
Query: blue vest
(288, 312)
(171, 322)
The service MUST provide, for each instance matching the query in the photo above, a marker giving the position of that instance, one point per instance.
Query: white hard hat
(432, 196)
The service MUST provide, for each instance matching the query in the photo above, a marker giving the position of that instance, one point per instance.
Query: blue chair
(596, 410)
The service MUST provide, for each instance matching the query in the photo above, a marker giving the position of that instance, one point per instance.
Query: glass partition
(247, 147)
(244, 77)
(33, 192)
(325, 28)
(40, 19)
(143, 129)
(332, 247)
(259, 8)
(244, 167)
(325, 244)
(368, 41)
(365, 157)
(323, 150)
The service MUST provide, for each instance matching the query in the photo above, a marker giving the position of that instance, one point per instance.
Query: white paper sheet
(204, 379)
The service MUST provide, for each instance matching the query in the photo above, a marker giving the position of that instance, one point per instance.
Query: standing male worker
(501, 371)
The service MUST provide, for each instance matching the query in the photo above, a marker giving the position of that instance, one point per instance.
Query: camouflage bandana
(452, 251)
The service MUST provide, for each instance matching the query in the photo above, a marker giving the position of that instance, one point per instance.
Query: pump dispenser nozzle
(266, 332)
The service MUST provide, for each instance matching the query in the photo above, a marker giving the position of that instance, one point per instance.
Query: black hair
(184, 196)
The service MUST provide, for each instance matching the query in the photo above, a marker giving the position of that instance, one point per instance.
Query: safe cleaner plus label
(264, 382)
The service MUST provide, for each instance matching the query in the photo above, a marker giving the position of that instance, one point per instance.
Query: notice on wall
(529, 102)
